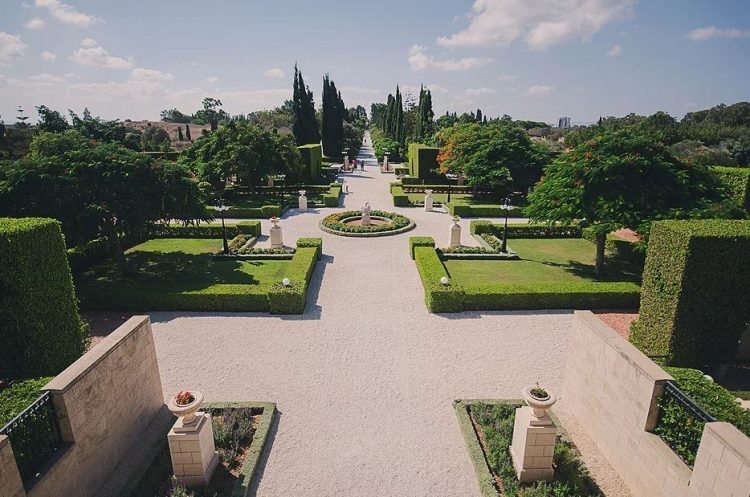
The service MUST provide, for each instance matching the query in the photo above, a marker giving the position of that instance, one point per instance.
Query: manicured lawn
(185, 245)
(183, 264)
(438, 197)
(541, 261)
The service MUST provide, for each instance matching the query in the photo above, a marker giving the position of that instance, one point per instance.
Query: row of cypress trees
(332, 119)
(394, 117)
(424, 127)
(305, 125)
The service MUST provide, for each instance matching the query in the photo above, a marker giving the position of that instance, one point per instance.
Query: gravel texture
(365, 379)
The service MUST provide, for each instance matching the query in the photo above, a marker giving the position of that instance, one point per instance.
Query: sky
(535, 60)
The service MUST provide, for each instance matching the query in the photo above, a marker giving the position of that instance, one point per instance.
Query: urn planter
(186, 411)
(539, 405)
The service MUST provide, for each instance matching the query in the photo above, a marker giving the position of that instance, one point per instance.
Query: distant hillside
(171, 128)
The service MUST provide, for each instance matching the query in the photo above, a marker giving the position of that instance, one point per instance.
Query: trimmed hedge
(331, 199)
(438, 298)
(310, 242)
(420, 241)
(400, 199)
(736, 180)
(263, 212)
(463, 209)
(401, 170)
(41, 332)
(205, 231)
(524, 230)
(682, 431)
(695, 302)
(312, 157)
(291, 299)
(423, 161)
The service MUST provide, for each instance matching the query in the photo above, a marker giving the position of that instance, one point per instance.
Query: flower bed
(487, 427)
(240, 433)
(396, 223)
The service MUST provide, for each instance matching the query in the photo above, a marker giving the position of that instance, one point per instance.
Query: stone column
(11, 484)
(302, 201)
(270, 181)
(385, 163)
(428, 201)
(194, 456)
(533, 445)
(276, 239)
(346, 163)
(456, 232)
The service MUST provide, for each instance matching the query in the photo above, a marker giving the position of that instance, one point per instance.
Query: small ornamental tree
(620, 179)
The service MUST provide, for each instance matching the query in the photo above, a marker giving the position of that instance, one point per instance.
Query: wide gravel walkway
(365, 379)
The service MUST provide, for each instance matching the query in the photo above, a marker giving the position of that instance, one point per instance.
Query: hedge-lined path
(365, 379)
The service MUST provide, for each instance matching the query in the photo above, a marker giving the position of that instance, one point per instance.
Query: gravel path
(365, 379)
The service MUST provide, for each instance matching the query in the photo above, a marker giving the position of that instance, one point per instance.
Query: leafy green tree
(620, 179)
(174, 116)
(155, 139)
(246, 151)
(496, 155)
(425, 116)
(211, 114)
(305, 124)
(378, 113)
(51, 120)
(103, 130)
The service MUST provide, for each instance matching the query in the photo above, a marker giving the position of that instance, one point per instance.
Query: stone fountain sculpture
(366, 214)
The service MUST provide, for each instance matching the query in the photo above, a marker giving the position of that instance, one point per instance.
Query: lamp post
(283, 186)
(222, 207)
(450, 177)
(506, 207)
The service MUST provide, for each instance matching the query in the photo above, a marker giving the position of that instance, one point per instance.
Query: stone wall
(104, 403)
(10, 480)
(611, 388)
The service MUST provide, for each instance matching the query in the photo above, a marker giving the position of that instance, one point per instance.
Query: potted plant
(185, 404)
(538, 399)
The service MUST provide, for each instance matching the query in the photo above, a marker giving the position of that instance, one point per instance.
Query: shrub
(331, 199)
(400, 199)
(312, 157)
(291, 299)
(525, 230)
(19, 396)
(682, 431)
(420, 241)
(463, 209)
(311, 242)
(401, 170)
(205, 231)
(695, 301)
(438, 298)
(333, 222)
(620, 249)
(41, 332)
(423, 161)
(736, 180)
(238, 242)
(269, 211)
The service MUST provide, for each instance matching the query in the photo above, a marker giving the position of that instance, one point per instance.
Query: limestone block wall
(611, 388)
(103, 402)
(10, 480)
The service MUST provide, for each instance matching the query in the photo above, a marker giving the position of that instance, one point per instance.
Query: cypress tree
(390, 114)
(187, 133)
(305, 125)
(179, 134)
(479, 115)
(399, 121)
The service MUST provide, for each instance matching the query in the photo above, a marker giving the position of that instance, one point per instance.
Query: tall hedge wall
(695, 299)
(41, 332)
(422, 161)
(737, 182)
(312, 156)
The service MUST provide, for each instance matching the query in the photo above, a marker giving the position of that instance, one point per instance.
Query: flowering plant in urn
(185, 404)
(538, 399)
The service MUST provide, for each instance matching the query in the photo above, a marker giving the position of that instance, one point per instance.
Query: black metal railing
(34, 436)
(680, 423)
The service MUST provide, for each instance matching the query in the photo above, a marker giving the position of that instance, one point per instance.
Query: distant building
(564, 123)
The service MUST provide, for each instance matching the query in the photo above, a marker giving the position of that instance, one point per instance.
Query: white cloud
(274, 73)
(541, 23)
(11, 47)
(212, 80)
(478, 92)
(91, 54)
(419, 61)
(507, 77)
(709, 32)
(35, 23)
(67, 13)
(539, 90)
(150, 75)
(49, 56)
(615, 51)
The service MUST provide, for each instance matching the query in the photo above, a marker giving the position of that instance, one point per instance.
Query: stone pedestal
(277, 241)
(193, 452)
(456, 232)
(385, 163)
(428, 201)
(533, 446)
(270, 181)
(346, 163)
(302, 201)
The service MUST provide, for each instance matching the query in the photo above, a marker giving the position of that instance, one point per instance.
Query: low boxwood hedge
(681, 430)
(400, 199)
(463, 209)
(438, 298)
(420, 241)
(291, 299)
(205, 231)
(333, 223)
(524, 230)
(263, 212)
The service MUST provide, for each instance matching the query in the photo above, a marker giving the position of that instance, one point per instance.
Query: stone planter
(186, 412)
(538, 406)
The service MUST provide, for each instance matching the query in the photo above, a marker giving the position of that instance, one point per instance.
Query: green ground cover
(184, 245)
(439, 197)
(19, 396)
(541, 261)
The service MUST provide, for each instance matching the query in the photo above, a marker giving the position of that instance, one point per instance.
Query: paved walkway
(365, 379)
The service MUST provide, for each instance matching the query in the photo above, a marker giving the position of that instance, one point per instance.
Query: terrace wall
(612, 389)
(104, 403)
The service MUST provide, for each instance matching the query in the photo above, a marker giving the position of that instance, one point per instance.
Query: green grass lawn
(438, 197)
(541, 261)
(251, 201)
(183, 264)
